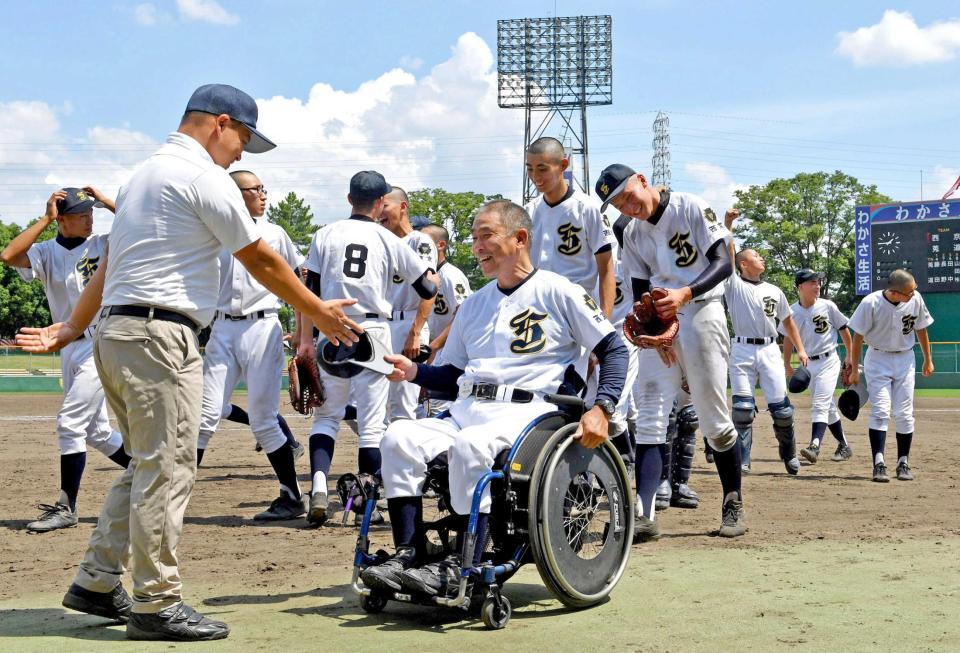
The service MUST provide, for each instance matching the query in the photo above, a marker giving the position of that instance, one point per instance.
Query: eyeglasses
(259, 190)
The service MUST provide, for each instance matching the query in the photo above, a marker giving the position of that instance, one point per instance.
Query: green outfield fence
(22, 372)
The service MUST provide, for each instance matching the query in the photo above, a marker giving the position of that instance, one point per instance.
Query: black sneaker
(843, 452)
(386, 576)
(732, 522)
(811, 453)
(903, 472)
(434, 579)
(645, 530)
(317, 514)
(114, 605)
(880, 473)
(283, 507)
(178, 623)
(683, 496)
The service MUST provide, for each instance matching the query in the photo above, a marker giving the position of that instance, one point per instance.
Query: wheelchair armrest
(573, 406)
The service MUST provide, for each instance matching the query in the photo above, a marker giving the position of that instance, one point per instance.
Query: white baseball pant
(748, 362)
(476, 431)
(251, 350)
(403, 396)
(82, 419)
(618, 423)
(890, 380)
(824, 373)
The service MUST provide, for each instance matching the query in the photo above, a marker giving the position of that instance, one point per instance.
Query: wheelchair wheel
(373, 603)
(580, 519)
(495, 612)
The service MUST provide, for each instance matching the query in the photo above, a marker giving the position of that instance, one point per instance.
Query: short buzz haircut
(513, 216)
(402, 193)
(237, 174)
(438, 230)
(548, 146)
(738, 258)
(899, 279)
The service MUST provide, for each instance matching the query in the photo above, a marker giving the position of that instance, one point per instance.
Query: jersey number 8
(355, 261)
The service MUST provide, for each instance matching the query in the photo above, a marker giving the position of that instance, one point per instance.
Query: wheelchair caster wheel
(374, 603)
(495, 612)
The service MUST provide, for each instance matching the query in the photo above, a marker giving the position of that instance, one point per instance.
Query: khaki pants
(152, 375)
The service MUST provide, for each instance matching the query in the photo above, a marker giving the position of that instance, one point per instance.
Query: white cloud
(145, 14)
(714, 184)
(897, 40)
(208, 11)
(410, 62)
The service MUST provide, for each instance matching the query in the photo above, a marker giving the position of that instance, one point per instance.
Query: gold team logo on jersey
(686, 254)
(440, 306)
(571, 239)
(820, 324)
(769, 306)
(459, 291)
(397, 278)
(909, 321)
(530, 336)
(618, 297)
(86, 267)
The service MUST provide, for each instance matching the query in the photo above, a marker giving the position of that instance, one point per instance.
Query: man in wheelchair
(511, 343)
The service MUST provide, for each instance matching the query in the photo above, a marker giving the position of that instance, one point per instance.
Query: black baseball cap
(223, 98)
(76, 201)
(612, 181)
(804, 275)
(368, 185)
(419, 221)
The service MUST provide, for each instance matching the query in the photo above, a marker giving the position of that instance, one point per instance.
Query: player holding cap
(819, 321)
(356, 258)
(755, 309)
(890, 321)
(677, 243)
(65, 266)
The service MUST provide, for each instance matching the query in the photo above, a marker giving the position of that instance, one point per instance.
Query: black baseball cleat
(386, 576)
(732, 522)
(683, 496)
(53, 518)
(434, 579)
(880, 473)
(792, 466)
(843, 452)
(811, 453)
(114, 605)
(664, 492)
(178, 623)
(645, 530)
(903, 472)
(317, 513)
(282, 508)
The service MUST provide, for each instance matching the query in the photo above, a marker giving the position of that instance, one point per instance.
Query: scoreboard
(920, 237)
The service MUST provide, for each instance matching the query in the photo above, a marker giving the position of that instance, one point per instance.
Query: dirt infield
(832, 561)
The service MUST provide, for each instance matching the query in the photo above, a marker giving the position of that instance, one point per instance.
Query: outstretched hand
(404, 369)
(334, 323)
(46, 340)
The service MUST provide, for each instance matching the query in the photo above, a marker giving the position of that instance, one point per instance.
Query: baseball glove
(306, 388)
(645, 329)
(845, 375)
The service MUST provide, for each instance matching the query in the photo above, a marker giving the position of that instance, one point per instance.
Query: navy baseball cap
(76, 201)
(612, 181)
(368, 185)
(223, 98)
(419, 221)
(804, 275)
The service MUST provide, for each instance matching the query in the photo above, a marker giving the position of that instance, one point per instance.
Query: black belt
(371, 316)
(884, 351)
(489, 391)
(755, 341)
(259, 315)
(152, 313)
(819, 356)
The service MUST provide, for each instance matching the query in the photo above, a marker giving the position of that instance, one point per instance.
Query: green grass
(18, 361)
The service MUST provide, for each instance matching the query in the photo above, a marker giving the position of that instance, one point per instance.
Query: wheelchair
(567, 508)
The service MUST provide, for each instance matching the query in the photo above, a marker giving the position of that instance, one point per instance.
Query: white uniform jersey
(527, 338)
(672, 252)
(402, 295)
(64, 272)
(568, 236)
(818, 325)
(358, 258)
(454, 289)
(887, 326)
(623, 298)
(755, 308)
(240, 293)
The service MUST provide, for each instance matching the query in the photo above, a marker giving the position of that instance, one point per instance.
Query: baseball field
(832, 562)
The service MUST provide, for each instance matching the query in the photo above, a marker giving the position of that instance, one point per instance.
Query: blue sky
(755, 90)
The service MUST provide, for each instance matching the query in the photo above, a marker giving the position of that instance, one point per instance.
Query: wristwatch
(607, 406)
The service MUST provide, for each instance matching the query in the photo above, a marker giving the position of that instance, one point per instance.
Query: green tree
(454, 211)
(806, 221)
(296, 218)
(22, 303)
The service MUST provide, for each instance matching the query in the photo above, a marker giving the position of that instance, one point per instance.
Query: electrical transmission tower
(554, 68)
(661, 150)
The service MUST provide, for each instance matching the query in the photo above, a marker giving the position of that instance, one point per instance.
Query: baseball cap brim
(258, 143)
(616, 191)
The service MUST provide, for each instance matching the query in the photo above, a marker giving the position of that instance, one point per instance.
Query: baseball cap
(612, 181)
(804, 275)
(223, 98)
(76, 201)
(346, 360)
(419, 221)
(368, 185)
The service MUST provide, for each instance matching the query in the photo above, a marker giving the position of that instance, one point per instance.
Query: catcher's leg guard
(744, 410)
(684, 446)
(782, 413)
(664, 490)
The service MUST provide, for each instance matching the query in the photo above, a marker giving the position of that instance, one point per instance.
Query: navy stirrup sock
(282, 462)
(71, 471)
(368, 460)
(321, 453)
(728, 467)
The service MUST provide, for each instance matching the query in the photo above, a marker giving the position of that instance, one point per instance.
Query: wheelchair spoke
(586, 515)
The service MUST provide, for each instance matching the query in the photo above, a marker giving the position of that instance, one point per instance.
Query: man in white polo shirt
(158, 288)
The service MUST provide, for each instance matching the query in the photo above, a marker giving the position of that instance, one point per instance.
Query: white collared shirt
(174, 215)
(240, 293)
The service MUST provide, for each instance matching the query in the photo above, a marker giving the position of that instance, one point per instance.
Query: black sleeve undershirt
(613, 357)
(425, 288)
(718, 269)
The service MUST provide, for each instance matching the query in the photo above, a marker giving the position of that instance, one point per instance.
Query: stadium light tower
(554, 68)
(661, 150)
